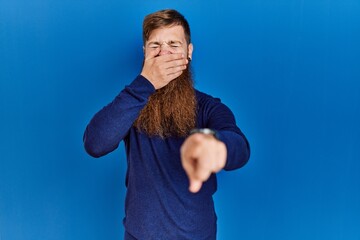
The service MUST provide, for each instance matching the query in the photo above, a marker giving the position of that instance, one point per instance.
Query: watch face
(203, 131)
(208, 131)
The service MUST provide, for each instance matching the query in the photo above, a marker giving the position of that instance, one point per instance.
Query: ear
(190, 50)
(144, 50)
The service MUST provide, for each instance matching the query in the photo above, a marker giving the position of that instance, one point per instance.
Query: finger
(188, 165)
(202, 171)
(172, 76)
(172, 57)
(174, 71)
(176, 63)
(195, 186)
(187, 160)
(196, 169)
(152, 54)
(197, 178)
(189, 149)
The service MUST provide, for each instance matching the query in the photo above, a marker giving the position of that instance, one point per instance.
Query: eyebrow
(171, 41)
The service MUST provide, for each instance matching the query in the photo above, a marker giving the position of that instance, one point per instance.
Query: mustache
(158, 55)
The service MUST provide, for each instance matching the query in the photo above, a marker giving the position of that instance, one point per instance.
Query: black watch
(207, 131)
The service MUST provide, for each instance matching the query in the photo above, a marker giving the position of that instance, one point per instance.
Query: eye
(175, 44)
(153, 46)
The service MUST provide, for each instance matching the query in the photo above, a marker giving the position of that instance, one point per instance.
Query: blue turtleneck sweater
(158, 203)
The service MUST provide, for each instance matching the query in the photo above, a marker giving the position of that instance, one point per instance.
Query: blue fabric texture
(158, 203)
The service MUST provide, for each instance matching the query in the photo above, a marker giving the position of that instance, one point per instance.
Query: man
(176, 139)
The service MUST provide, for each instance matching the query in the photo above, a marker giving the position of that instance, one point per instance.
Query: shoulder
(204, 99)
(212, 113)
(209, 105)
(207, 102)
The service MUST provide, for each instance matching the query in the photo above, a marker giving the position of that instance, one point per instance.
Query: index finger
(151, 54)
(172, 57)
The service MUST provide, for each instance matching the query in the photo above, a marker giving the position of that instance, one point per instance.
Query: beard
(171, 110)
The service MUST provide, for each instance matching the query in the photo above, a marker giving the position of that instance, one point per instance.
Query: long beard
(171, 110)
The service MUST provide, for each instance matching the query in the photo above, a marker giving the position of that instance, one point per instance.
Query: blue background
(289, 70)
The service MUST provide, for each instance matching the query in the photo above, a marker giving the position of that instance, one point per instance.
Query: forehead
(168, 33)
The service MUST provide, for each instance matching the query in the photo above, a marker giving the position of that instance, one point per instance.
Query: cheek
(179, 50)
(184, 50)
(150, 52)
(146, 53)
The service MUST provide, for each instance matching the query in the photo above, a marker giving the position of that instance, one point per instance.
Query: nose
(165, 49)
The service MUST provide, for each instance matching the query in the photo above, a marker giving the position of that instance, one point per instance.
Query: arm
(203, 154)
(222, 120)
(111, 124)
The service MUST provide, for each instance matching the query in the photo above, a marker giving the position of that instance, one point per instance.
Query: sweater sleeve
(111, 124)
(221, 119)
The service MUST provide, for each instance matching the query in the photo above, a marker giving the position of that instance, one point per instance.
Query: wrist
(206, 131)
(147, 77)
